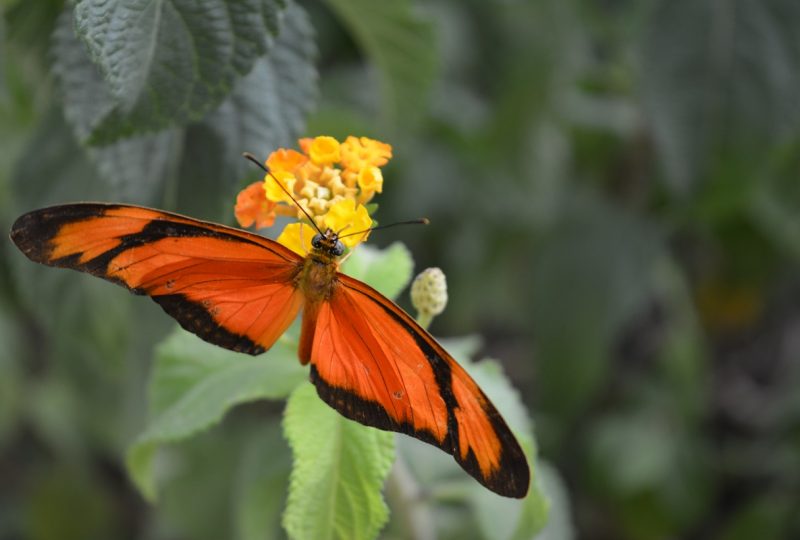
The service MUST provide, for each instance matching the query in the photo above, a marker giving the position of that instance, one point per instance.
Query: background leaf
(265, 110)
(388, 270)
(268, 107)
(741, 57)
(338, 474)
(169, 61)
(594, 270)
(500, 517)
(401, 45)
(613, 193)
(195, 383)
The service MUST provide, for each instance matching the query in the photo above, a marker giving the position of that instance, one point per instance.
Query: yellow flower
(347, 217)
(360, 152)
(324, 150)
(273, 190)
(370, 179)
(297, 237)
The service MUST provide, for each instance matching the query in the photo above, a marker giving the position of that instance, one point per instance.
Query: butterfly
(369, 359)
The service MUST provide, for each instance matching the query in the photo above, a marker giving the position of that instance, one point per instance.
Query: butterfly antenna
(421, 221)
(251, 157)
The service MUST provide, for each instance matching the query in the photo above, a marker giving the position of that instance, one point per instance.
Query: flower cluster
(331, 181)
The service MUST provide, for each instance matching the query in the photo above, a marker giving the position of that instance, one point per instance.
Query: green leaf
(11, 387)
(559, 522)
(195, 383)
(500, 517)
(135, 168)
(649, 463)
(52, 168)
(775, 202)
(267, 109)
(742, 59)
(261, 485)
(388, 270)
(594, 271)
(170, 61)
(339, 470)
(401, 44)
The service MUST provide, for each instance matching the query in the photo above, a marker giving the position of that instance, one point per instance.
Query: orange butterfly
(369, 359)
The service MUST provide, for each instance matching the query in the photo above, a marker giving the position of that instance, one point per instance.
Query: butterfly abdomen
(316, 281)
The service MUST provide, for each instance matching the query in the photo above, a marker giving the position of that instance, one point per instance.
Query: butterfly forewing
(230, 287)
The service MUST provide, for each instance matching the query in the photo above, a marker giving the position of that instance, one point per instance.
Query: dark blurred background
(614, 190)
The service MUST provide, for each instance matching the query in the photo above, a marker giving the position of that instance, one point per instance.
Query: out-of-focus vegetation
(614, 189)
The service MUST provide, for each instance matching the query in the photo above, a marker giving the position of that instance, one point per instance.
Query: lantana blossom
(331, 181)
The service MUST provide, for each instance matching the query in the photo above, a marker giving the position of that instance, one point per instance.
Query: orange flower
(252, 206)
(284, 159)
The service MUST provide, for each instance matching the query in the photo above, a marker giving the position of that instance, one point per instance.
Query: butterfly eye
(316, 242)
(338, 249)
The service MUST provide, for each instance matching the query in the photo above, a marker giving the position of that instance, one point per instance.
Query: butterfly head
(328, 244)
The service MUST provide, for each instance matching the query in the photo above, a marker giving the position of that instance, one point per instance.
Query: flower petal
(324, 150)
(274, 191)
(253, 207)
(358, 153)
(297, 237)
(346, 217)
(284, 159)
(370, 179)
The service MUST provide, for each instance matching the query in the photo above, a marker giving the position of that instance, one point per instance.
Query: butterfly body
(317, 280)
(368, 359)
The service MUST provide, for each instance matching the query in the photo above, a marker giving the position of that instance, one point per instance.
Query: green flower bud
(429, 294)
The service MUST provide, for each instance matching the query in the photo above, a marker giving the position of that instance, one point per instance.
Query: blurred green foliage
(614, 194)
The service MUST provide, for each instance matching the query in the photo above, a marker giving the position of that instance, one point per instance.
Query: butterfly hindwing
(374, 364)
(230, 287)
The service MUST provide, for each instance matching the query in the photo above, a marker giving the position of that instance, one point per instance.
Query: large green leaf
(401, 44)
(10, 376)
(134, 168)
(720, 77)
(559, 521)
(339, 470)
(228, 482)
(500, 517)
(169, 61)
(776, 201)
(593, 273)
(267, 108)
(195, 383)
